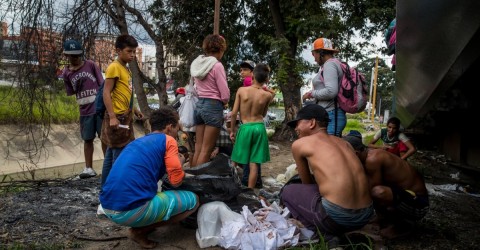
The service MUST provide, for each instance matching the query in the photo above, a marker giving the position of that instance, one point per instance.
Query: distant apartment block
(47, 44)
(172, 62)
(149, 67)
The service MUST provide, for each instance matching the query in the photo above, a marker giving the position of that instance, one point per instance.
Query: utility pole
(216, 18)
(374, 89)
(370, 93)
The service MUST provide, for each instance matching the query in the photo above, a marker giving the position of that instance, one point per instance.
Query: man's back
(253, 103)
(384, 168)
(337, 170)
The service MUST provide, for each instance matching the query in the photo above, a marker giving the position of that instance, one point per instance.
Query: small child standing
(251, 140)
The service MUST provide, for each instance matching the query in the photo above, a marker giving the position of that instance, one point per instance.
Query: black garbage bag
(246, 198)
(212, 187)
(216, 180)
(219, 166)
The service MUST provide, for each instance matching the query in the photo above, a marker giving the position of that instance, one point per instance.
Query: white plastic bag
(211, 218)
(188, 106)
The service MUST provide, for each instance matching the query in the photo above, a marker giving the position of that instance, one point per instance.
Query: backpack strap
(131, 99)
(336, 113)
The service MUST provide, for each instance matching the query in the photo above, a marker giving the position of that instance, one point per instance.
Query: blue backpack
(99, 104)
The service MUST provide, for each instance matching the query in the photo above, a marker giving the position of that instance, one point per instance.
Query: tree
(282, 28)
(270, 31)
(385, 81)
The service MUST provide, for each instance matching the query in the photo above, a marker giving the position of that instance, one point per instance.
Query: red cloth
(399, 148)
(247, 81)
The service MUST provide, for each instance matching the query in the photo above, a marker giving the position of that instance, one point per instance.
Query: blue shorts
(89, 125)
(340, 124)
(311, 209)
(161, 207)
(209, 112)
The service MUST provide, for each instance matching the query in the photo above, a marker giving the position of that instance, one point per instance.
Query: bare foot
(141, 238)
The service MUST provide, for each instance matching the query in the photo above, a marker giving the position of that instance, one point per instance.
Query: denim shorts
(209, 112)
(89, 126)
(340, 124)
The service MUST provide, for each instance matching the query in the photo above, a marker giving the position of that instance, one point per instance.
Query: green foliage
(354, 124)
(385, 82)
(58, 107)
(358, 116)
(364, 244)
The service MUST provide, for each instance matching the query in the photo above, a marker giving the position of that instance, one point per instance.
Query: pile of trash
(269, 227)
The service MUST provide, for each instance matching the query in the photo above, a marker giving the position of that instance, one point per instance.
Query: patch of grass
(364, 244)
(354, 124)
(16, 107)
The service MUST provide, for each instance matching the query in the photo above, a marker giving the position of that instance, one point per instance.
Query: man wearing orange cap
(326, 84)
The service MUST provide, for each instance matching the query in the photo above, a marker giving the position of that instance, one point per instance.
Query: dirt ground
(60, 214)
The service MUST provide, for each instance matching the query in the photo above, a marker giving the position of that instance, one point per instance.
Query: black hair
(324, 123)
(395, 121)
(324, 52)
(261, 72)
(124, 41)
(356, 142)
(160, 118)
(182, 149)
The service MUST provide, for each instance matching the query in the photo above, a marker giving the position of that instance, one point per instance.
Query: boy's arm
(373, 142)
(173, 165)
(265, 109)
(98, 74)
(302, 164)
(107, 99)
(68, 84)
(138, 113)
(236, 107)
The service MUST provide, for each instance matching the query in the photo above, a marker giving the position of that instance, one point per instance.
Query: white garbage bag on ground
(267, 228)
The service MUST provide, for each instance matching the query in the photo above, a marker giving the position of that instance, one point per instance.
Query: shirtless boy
(396, 187)
(251, 140)
(335, 199)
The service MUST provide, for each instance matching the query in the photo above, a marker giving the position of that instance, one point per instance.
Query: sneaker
(87, 173)
(101, 213)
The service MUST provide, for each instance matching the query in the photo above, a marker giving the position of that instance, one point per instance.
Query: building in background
(45, 49)
(172, 62)
(149, 67)
(102, 51)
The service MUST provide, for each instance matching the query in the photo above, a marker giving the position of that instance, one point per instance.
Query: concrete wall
(24, 153)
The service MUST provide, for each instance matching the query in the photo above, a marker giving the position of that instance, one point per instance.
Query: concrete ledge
(38, 152)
